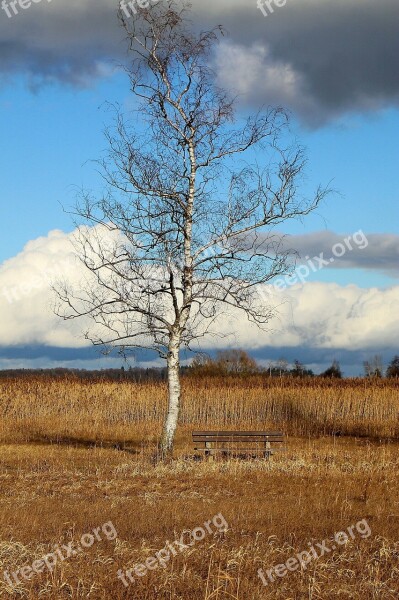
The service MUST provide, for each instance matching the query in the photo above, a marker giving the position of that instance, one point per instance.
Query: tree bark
(174, 393)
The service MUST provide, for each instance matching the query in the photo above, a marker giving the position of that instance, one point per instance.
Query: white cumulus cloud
(317, 314)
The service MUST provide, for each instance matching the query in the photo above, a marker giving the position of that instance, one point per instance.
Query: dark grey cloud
(341, 56)
(374, 251)
(318, 58)
(57, 354)
(43, 357)
(71, 43)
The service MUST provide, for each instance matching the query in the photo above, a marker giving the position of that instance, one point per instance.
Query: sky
(332, 64)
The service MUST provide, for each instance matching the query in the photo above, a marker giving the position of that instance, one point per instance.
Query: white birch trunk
(174, 392)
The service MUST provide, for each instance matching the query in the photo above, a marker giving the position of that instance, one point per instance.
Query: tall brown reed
(38, 407)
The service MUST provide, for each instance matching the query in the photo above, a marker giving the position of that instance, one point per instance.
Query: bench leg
(208, 452)
(267, 450)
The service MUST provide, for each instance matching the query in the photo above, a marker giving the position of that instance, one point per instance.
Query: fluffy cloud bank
(26, 297)
(319, 58)
(314, 315)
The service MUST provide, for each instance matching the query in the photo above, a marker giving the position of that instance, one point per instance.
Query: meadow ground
(78, 455)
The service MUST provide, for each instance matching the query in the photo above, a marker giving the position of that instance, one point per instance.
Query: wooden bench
(237, 442)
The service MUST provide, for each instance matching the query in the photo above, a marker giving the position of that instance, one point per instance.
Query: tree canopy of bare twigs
(185, 228)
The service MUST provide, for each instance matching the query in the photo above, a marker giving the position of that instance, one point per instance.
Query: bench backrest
(237, 436)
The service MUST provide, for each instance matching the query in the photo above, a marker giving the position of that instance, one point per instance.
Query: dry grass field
(76, 455)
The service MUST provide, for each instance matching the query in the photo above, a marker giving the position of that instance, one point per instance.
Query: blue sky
(52, 127)
(54, 134)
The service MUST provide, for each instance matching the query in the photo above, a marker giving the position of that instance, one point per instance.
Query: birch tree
(193, 194)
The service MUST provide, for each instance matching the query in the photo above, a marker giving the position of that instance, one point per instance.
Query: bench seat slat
(231, 444)
(222, 437)
(236, 442)
(237, 433)
(231, 448)
(238, 439)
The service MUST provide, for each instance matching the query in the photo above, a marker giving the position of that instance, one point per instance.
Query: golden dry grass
(57, 483)
(40, 409)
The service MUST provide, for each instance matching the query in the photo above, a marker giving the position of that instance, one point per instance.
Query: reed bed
(39, 407)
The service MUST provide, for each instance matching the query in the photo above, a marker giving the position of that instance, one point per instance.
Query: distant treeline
(136, 374)
(226, 363)
(238, 362)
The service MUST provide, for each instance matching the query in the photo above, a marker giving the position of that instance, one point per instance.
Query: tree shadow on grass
(129, 446)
